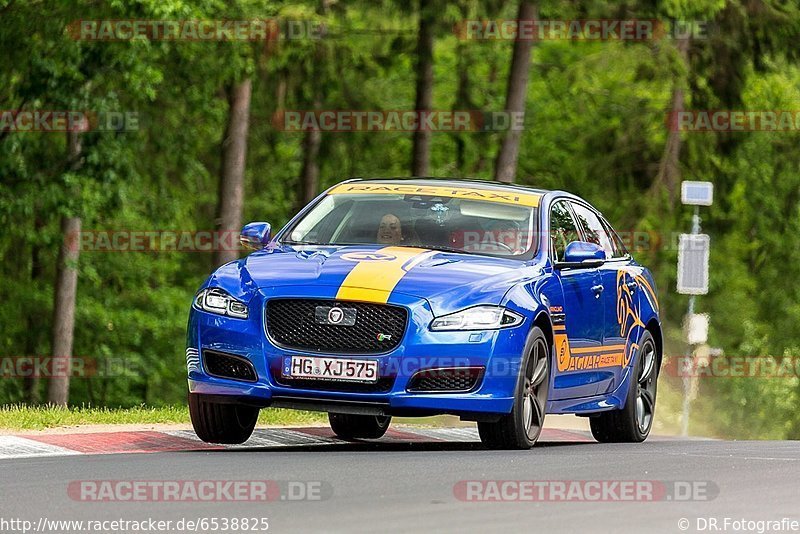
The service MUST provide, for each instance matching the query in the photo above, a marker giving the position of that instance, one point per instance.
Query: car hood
(448, 281)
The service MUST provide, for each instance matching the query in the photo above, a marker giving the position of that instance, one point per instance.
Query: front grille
(452, 379)
(228, 366)
(292, 323)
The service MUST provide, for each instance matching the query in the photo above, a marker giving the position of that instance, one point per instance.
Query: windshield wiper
(423, 245)
(448, 249)
(431, 247)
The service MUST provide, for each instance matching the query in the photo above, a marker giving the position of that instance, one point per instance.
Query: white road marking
(447, 434)
(17, 447)
(266, 437)
(729, 456)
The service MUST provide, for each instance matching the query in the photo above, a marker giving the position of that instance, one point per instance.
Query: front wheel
(632, 423)
(521, 428)
(216, 422)
(351, 426)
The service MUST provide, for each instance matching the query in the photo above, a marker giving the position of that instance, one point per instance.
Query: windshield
(426, 221)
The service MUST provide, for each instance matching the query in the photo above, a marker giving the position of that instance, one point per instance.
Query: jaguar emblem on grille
(335, 315)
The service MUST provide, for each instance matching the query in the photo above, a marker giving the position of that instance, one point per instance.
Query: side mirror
(255, 235)
(582, 254)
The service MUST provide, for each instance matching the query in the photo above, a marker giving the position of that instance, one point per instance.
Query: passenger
(390, 231)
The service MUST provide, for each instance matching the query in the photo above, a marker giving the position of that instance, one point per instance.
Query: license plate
(331, 369)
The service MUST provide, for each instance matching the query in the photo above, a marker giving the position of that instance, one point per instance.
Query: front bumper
(498, 352)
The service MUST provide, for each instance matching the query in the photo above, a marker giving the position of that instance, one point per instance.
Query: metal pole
(686, 378)
(696, 220)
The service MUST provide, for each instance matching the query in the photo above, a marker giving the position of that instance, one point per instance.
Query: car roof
(489, 185)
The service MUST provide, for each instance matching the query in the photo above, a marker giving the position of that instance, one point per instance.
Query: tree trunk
(231, 180)
(280, 92)
(66, 289)
(309, 175)
(506, 165)
(31, 383)
(64, 308)
(463, 100)
(422, 138)
(669, 170)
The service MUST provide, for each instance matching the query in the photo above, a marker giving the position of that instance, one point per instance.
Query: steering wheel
(499, 244)
(509, 249)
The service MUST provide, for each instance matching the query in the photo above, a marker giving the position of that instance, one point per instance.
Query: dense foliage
(595, 125)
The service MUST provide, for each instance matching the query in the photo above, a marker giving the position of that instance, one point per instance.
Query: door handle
(597, 290)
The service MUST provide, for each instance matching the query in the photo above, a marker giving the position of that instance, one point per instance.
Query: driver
(390, 231)
(507, 235)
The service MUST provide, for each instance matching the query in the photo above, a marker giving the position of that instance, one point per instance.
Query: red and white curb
(137, 442)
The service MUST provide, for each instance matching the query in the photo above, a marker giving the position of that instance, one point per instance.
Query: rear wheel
(216, 422)
(632, 423)
(521, 428)
(352, 426)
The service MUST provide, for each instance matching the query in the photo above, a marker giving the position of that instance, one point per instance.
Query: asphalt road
(378, 487)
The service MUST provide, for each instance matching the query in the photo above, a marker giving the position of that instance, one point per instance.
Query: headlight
(478, 318)
(219, 302)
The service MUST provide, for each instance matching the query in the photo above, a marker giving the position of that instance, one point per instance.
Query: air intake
(224, 365)
(451, 379)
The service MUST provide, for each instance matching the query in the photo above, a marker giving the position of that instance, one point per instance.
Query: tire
(350, 426)
(632, 424)
(521, 428)
(216, 422)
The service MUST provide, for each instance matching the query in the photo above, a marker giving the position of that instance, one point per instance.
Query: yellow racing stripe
(642, 280)
(375, 276)
(598, 349)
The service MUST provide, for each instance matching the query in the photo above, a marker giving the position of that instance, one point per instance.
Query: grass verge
(19, 417)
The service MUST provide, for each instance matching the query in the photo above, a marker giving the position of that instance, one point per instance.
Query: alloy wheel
(535, 390)
(646, 389)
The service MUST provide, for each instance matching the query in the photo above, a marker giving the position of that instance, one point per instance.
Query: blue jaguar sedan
(416, 297)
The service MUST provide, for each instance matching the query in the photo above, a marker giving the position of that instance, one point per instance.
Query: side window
(563, 230)
(593, 229)
(619, 248)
